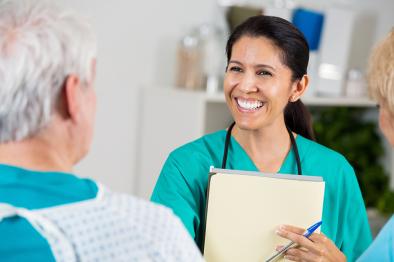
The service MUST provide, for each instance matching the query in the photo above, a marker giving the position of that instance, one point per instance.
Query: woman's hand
(315, 248)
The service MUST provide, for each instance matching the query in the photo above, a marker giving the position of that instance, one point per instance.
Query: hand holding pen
(306, 234)
(315, 247)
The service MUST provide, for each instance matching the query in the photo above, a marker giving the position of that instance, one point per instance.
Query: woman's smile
(248, 105)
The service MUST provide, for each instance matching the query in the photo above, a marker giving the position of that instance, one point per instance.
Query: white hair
(381, 72)
(40, 45)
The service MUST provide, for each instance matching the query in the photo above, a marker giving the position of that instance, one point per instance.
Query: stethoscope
(293, 145)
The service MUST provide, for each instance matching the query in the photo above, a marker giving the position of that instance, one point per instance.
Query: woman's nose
(248, 83)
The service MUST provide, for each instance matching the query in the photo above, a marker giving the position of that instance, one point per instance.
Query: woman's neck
(267, 147)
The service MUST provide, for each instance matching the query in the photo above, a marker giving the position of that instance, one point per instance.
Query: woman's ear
(298, 88)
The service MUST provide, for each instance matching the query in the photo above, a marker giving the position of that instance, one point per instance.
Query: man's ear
(72, 97)
(299, 88)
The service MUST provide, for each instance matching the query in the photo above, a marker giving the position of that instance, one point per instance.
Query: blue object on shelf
(310, 23)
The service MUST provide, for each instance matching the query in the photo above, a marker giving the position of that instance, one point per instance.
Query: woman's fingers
(297, 230)
(291, 258)
(293, 234)
(301, 255)
(319, 238)
(315, 248)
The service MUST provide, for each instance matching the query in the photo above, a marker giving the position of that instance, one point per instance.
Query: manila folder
(244, 209)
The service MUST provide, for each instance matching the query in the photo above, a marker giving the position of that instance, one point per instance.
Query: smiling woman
(279, 58)
(257, 87)
(265, 79)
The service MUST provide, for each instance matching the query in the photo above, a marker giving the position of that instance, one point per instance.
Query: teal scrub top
(183, 181)
(382, 248)
(19, 241)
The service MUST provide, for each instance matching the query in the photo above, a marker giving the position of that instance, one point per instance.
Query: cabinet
(171, 117)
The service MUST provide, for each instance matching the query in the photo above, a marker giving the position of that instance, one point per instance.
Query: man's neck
(36, 154)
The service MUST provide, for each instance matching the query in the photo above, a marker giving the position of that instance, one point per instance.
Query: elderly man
(47, 109)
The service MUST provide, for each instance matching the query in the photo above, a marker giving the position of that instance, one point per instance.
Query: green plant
(386, 203)
(346, 130)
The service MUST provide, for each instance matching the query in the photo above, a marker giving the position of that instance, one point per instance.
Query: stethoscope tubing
(293, 145)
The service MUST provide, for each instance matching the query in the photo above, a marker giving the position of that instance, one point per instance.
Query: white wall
(137, 42)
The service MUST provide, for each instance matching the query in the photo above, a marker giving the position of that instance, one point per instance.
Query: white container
(356, 85)
(214, 60)
(335, 51)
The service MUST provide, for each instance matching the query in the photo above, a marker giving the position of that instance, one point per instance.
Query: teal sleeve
(355, 228)
(174, 190)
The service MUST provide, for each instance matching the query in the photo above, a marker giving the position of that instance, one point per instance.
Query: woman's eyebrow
(234, 62)
(265, 66)
(257, 66)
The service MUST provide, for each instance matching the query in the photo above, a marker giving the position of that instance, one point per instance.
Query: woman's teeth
(249, 105)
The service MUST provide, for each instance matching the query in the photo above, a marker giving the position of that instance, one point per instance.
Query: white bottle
(355, 85)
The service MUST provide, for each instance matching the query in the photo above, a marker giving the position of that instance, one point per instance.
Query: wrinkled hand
(317, 248)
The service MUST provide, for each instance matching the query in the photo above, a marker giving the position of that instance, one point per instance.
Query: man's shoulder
(33, 189)
(143, 212)
(156, 224)
(143, 206)
(135, 228)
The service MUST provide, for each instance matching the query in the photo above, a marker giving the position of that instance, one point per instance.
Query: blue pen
(306, 234)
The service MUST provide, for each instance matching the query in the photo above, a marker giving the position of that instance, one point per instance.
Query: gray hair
(40, 45)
